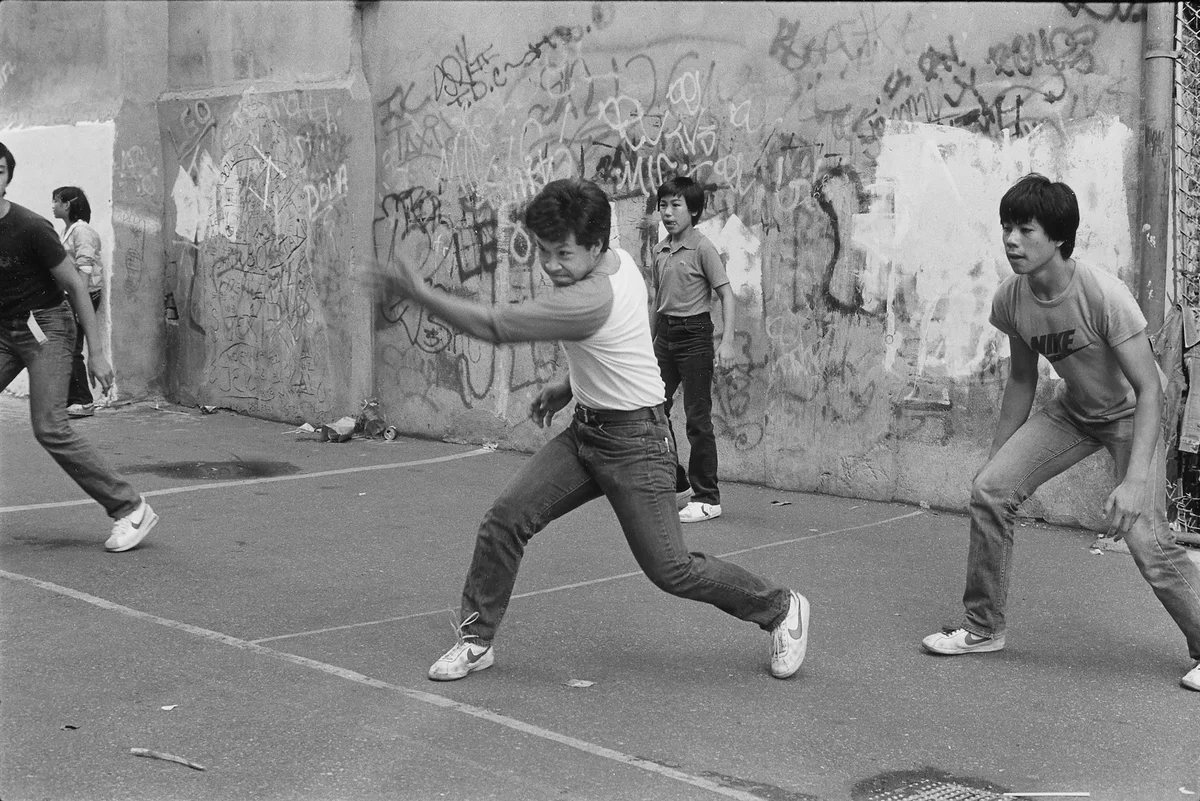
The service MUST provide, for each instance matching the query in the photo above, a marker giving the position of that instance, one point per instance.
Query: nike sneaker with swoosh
(126, 533)
(464, 658)
(952, 642)
(789, 640)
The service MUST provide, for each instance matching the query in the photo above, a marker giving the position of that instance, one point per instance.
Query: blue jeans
(49, 366)
(632, 464)
(685, 353)
(1051, 441)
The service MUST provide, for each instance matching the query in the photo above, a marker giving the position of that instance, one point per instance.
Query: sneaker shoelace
(462, 636)
(779, 639)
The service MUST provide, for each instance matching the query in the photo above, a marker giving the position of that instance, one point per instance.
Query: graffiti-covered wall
(854, 156)
(267, 170)
(260, 256)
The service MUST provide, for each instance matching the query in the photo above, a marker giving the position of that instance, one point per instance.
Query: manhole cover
(925, 785)
(216, 471)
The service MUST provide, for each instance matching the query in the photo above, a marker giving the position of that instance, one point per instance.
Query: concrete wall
(855, 155)
(268, 163)
(63, 64)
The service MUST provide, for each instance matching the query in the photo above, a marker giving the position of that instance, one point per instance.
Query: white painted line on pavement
(417, 695)
(267, 480)
(589, 583)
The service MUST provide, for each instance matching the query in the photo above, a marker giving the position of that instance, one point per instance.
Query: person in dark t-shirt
(37, 333)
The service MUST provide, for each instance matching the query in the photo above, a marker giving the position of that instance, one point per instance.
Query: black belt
(592, 416)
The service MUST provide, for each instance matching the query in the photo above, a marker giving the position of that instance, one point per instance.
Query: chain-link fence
(1184, 492)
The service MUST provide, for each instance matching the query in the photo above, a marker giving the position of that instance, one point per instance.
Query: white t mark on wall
(740, 244)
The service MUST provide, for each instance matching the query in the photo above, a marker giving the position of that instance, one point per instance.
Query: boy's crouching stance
(1089, 327)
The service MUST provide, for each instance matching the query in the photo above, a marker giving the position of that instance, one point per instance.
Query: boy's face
(567, 262)
(675, 215)
(1027, 246)
(3, 176)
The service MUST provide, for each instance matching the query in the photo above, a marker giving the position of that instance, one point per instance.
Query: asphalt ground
(276, 627)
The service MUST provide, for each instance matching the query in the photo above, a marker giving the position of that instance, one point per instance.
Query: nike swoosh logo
(971, 639)
(1058, 357)
(797, 632)
(473, 657)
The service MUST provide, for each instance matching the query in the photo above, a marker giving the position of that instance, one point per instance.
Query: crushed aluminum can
(389, 433)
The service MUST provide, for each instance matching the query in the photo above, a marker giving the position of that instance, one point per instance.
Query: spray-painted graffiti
(855, 276)
(1109, 12)
(261, 190)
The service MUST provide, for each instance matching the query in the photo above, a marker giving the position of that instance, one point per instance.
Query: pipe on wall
(1156, 149)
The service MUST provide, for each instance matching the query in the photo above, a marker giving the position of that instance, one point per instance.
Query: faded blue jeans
(1051, 441)
(633, 464)
(49, 366)
(684, 349)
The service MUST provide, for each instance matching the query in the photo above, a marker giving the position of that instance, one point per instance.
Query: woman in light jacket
(82, 244)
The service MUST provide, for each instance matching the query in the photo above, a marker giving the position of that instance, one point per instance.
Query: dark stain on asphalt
(768, 792)
(216, 471)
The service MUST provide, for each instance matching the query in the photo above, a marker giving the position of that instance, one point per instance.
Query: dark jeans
(631, 463)
(685, 353)
(49, 365)
(80, 390)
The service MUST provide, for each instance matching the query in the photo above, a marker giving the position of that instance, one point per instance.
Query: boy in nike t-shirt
(1089, 327)
(617, 444)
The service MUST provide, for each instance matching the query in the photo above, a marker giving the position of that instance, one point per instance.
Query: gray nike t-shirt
(1077, 332)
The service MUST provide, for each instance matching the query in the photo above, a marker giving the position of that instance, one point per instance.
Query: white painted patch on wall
(740, 244)
(932, 236)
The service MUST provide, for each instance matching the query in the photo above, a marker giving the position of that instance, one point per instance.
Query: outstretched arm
(1124, 504)
(400, 279)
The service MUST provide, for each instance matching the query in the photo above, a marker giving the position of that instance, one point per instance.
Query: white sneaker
(81, 410)
(465, 657)
(131, 529)
(1191, 679)
(789, 640)
(462, 659)
(952, 642)
(696, 512)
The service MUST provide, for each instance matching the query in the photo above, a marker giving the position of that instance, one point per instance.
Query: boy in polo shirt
(617, 444)
(37, 333)
(1089, 327)
(687, 270)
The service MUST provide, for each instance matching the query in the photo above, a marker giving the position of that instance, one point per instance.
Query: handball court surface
(276, 626)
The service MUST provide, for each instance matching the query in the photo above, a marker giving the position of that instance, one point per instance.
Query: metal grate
(934, 790)
(1185, 505)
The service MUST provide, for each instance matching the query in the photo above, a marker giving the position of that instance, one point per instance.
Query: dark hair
(1053, 205)
(7, 155)
(78, 207)
(691, 192)
(570, 206)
